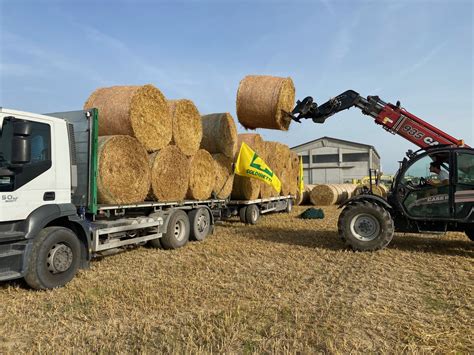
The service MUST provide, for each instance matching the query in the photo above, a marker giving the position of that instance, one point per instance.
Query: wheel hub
(60, 258)
(179, 229)
(201, 223)
(365, 227)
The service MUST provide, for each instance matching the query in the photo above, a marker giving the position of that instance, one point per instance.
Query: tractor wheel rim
(365, 227)
(59, 258)
(179, 230)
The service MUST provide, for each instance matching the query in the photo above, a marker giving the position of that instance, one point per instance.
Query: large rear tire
(54, 258)
(365, 226)
(177, 231)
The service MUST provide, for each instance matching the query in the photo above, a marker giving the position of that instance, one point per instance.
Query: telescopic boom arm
(393, 118)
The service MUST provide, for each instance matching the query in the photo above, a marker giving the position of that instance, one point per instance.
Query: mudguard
(367, 197)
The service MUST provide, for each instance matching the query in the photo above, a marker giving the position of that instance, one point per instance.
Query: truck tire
(289, 206)
(200, 221)
(177, 231)
(54, 258)
(470, 233)
(242, 214)
(365, 226)
(252, 213)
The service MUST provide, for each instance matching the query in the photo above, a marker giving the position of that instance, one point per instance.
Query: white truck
(50, 222)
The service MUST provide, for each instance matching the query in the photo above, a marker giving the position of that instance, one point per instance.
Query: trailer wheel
(289, 205)
(200, 221)
(470, 233)
(54, 258)
(177, 232)
(365, 226)
(252, 213)
(242, 214)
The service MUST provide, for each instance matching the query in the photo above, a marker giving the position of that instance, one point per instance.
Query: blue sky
(53, 54)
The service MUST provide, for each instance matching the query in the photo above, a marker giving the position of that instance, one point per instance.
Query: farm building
(329, 160)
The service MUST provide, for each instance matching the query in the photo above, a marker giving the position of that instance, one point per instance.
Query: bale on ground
(379, 190)
(187, 125)
(124, 174)
(224, 176)
(330, 194)
(138, 111)
(170, 170)
(219, 134)
(264, 101)
(201, 176)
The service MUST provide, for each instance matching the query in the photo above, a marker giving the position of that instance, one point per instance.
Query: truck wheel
(200, 221)
(54, 258)
(242, 214)
(470, 233)
(289, 205)
(177, 232)
(252, 213)
(365, 226)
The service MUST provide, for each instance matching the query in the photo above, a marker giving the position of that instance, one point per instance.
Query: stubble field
(284, 285)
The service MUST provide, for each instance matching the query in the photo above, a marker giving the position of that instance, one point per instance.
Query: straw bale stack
(201, 176)
(124, 174)
(219, 134)
(170, 170)
(330, 194)
(263, 101)
(138, 111)
(224, 176)
(187, 125)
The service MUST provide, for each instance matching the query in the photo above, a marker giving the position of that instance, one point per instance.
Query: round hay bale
(224, 176)
(264, 101)
(245, 188)
(285, 182)
(295, 173)
(124, 174)
(379, 190)
(138, 111)
(219, 134)
(253, 140)
(187, 126)
(324, 195)
(169, 174)
(202, 176)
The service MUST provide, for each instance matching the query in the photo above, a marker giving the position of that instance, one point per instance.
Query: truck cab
(37, 180)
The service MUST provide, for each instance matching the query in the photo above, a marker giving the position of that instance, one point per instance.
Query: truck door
(426, 190)
(464, 185)
(27, 187)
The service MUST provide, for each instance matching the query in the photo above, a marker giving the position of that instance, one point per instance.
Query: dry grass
(285, 285)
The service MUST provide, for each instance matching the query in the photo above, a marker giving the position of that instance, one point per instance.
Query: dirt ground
(284, 285)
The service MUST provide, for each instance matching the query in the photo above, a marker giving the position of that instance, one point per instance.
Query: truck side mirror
(21, 144)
